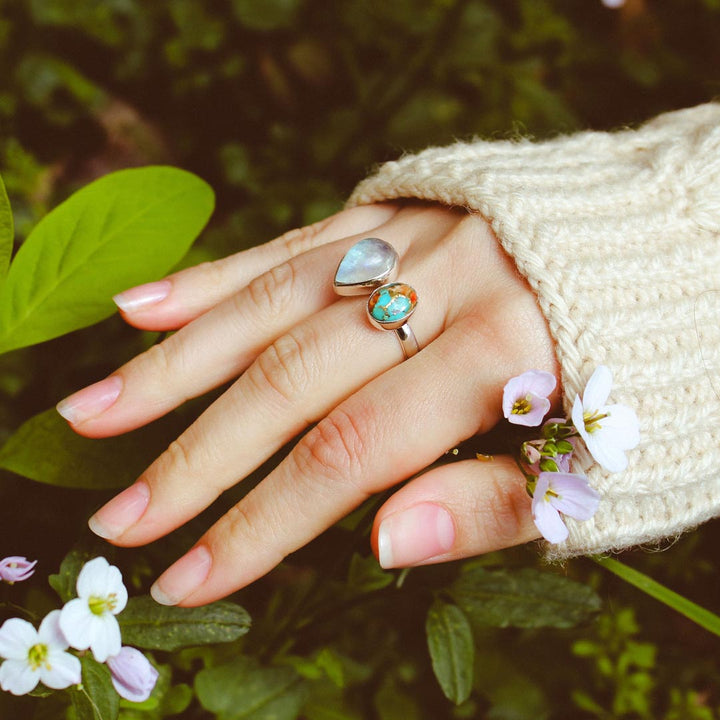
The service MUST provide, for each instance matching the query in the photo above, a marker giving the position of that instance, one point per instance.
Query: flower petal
(611, 457)
(598, 388)
(575, 497)
(535, 383)
(106, 640)
(50, 632)
(17, 677)
(547, 519)
(75, 622)
(92, 579)
(621, 426)
(133, 677)
(17, 636)
(577, 418)
(64, 670)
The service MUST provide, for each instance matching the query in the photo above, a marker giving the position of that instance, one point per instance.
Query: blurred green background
(283, 106)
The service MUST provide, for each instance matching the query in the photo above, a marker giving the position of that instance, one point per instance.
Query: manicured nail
(142, 296)
(416, 535)
(124, 510)
(182, 578)
(90, 401)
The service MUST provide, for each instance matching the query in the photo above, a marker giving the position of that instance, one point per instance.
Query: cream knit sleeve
(619, 236)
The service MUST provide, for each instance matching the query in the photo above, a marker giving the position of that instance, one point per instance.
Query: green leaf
(7, 231)
(65, 580)
(450, 642)
(242, 690)
(706, 619)
(522, 598)
(96, 698)
(47, 450)
(146, 624)
(124, 229)
(366, 575)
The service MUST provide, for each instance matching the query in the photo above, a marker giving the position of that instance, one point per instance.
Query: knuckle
(300, 240)
(281, 368)
(160, 360)
(272, 292)
(177, 458)
(243, 523)
(505, 518)
(335, 449)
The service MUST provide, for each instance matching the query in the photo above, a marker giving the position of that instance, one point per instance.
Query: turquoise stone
(392, 304)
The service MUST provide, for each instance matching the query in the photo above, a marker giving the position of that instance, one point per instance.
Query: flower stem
(706, 619)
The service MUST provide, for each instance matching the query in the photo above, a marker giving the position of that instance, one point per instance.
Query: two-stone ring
(370, 266)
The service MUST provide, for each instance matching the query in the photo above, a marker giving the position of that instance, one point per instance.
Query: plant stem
(697, 614)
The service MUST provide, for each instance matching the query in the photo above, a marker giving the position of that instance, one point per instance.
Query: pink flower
(16, 569)
(132, 674)
(525, 397)
(566, 493)
(608, 430)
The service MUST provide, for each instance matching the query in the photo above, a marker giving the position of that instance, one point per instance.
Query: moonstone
(366, 265)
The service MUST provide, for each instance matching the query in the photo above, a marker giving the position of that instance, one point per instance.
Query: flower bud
(15, 569)
(132, 674)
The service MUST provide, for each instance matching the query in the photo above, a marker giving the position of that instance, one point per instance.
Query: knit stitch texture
(619, 236)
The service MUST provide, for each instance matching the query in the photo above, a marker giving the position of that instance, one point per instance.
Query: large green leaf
(6, 231)
(522, 598)
(47, 450)
(450, 642)
(127, 228)
(96, 698)
(242, 690)
(146, 624)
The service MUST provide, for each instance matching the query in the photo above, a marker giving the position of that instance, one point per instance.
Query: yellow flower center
(37, 656)
(522, 406)
(99, 605)
(592, 420)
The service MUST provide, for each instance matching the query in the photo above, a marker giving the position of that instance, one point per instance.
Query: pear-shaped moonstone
(366, 265)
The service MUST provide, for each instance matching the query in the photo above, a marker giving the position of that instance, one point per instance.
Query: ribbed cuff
(619, 236)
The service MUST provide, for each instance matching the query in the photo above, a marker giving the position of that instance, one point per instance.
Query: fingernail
(415, 535)
(182, 578)
(124, 510)
(90, 401)
(142, 296)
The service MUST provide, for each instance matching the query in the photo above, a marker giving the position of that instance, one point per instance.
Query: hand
(302, 355)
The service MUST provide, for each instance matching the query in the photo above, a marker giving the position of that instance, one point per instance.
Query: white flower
(559, 492)
(33, 656)
(608, 430)
(89, 620)
(132, 674)
(525, 397)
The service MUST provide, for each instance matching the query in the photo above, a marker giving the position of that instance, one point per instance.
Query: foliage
(282, 106)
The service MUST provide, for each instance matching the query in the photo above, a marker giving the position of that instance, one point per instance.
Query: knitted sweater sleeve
(618, 234)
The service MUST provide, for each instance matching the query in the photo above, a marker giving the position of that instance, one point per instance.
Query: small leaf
(366, 575)
(522, 598)
(64, 582)
(47, 450)
(7, 231)
(96, 698)
(146, 624)
(450, 642)
(242, 690)
(124, 229)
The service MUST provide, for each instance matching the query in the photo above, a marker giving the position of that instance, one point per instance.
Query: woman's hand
(302, 355)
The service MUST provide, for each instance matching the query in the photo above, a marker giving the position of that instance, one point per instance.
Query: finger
(223, 342)
(455, 511)
(174, 301)
(390, 429)
(295, 382)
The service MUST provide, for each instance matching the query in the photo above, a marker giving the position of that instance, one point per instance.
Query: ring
(368, 267)
(389, 307)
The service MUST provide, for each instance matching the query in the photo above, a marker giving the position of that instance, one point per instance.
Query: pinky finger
(452, 512)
